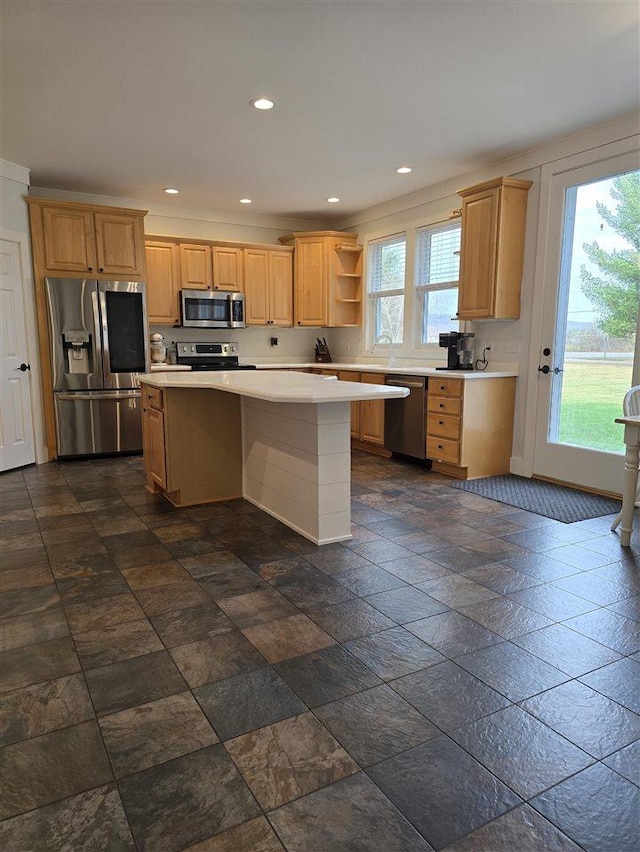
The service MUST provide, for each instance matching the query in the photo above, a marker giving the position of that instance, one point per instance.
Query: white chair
(630, 408)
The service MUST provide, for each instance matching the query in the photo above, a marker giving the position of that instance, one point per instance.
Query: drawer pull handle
(442, 405)
(439, 446)
(440, 422)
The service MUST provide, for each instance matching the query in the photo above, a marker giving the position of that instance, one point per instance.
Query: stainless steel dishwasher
(404, 419)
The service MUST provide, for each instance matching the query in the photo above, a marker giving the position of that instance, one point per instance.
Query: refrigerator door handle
(98, 349)
(104, 331)
(100, 396)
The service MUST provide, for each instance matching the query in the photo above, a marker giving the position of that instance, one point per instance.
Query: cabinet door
(256, 286)
(195, 267)
(311, 282)
(119, 244)
(372, 412)
(163, 282)
(228, 267)
(69, 242)
(478, 254)
(348, 376)
(154, 446)
(280, 288)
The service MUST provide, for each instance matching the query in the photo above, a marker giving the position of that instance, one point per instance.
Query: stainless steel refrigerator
(99, 343)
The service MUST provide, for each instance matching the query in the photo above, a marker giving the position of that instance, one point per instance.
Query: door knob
(24, 367)
(546, 369)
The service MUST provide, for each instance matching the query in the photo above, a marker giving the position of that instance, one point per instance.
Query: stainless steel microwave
(211, 309)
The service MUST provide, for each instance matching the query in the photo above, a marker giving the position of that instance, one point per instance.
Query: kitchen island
(279, 439)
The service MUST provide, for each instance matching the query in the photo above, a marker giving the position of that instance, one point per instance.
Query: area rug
(567, 505)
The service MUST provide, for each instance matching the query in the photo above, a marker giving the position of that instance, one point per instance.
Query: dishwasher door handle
(404, 384)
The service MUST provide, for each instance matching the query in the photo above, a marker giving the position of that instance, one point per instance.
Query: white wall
(14, 226)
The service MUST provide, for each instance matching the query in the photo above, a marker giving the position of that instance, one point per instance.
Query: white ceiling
(123, 98)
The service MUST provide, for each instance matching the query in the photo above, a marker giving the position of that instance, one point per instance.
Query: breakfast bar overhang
(284, 445)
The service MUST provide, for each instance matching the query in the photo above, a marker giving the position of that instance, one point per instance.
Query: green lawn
(592, 393)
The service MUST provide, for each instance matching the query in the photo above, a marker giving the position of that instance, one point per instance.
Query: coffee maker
(459, 346)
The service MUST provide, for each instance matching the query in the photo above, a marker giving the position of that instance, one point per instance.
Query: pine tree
(615, 293)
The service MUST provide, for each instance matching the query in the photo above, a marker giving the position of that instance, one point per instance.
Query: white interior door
(16, 419)
(589, 343)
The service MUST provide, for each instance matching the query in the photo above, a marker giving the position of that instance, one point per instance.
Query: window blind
(438, 258)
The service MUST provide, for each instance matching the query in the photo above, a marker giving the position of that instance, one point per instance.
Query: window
(386, 289)
(436, 280)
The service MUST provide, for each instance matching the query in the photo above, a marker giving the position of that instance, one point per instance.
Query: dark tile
(119, 642)
(541, 566)
(44, 707)
(233, 581)
(305, 586)
(381, 551)
(135, 681)
(350, 620)
(80, 544)
(191, 624)
(553, 602)
(155, 574)
(287, 637)
(619, 681)
(449, 696)
(85, 567)
(91, 820)
(393, 653)
(128, 540)
(23, 601)
(626, 762)
(511, 670)
(459, 558)
(288, 759)
(442, 791)
(81, 589)
(25, 573)
(521, 751)
(216, 657)
(375, 724)
(456, 590)
(351, 814)
(33, 628)
(501, 578)
(593, 722)
(186, 800)
(452, 633)
(416, 569)
(53, 766)
(610, 629)
(537, 540)
(522, 828)
(505, 617)
(596, 589)
(367, 580)
(171, 597)
(156, 732)
(257, 607)
(629, 608)
(255, 835)
(326, 675)
(232, 708)
(596, 808)
(36, 663)
(194, 546)
(105, 612)
(145, 554)
(406, 604)
(565, 649)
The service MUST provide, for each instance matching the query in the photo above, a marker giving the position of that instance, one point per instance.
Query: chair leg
(616, 521)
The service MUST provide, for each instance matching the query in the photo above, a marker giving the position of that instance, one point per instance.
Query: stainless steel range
(210, 356)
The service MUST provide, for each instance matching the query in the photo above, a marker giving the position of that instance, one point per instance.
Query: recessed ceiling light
(171, 191)
(404, 170)
(246, 201)
(333, 200)
(262, 103)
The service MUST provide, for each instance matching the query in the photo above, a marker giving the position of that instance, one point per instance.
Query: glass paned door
(590, 339)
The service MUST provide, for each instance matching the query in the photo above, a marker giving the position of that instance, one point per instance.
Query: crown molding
(13, 171)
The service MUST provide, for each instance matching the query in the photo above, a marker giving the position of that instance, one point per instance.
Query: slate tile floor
(461, 676)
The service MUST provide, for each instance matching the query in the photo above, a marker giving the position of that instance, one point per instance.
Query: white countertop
(401, 371)
(170, 368)
(275, 385)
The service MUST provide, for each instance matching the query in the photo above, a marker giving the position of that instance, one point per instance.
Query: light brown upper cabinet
(268, 286)
(327, 278)
(492, 250)
(228, 268)
(195, 267)
(86, 239)
(163, 282)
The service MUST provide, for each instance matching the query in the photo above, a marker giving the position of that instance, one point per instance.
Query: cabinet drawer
(152, 398)
(445, 404)
(443, 426)
(446, 387)
(443, 449)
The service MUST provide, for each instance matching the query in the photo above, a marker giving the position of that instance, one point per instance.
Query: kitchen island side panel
(296, 465)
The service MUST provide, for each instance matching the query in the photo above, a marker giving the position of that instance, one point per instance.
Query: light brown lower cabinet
(470, 426)
(192, 444)
(367, 416)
